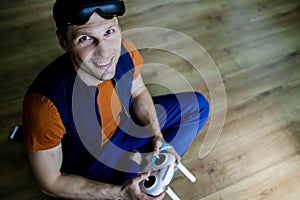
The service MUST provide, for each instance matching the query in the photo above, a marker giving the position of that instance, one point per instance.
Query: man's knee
(196, 104)
(203, 105)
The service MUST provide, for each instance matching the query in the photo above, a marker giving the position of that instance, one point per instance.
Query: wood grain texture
(255, 44)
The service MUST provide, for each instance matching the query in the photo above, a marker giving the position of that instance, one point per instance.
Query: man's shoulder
(58, 73)
(129, 46)
(60, 65)
(135, 56)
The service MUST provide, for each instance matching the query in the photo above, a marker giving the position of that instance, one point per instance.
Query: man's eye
(109, 32)
(85, 38)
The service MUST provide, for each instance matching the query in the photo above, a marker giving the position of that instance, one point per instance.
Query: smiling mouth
(104, 64)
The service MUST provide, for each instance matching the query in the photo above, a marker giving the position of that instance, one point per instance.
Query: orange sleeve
(137, 58)
(43, 127)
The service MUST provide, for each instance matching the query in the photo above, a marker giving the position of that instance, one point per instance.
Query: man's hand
(132, 191)
(157, 142)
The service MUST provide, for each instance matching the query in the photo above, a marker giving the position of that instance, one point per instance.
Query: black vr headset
(78, 12)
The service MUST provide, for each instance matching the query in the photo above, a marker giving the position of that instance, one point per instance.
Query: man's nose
(102, 49)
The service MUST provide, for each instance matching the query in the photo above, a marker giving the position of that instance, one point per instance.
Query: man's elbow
(49, 189)
(48, 192)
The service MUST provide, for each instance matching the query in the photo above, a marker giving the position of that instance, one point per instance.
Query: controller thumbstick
(150, 182)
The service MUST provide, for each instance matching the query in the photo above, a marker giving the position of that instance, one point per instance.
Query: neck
(87, 78)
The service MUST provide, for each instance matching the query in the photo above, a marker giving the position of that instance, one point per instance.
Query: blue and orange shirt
(48, 112)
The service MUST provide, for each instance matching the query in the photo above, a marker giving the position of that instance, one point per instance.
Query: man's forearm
(77, 187)
(145, 112)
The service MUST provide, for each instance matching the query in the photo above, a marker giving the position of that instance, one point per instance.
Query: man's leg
(181, 117)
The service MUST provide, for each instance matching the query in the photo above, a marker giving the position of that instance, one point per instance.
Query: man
(88, 114)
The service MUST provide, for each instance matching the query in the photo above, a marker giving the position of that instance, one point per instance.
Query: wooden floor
(256, 47)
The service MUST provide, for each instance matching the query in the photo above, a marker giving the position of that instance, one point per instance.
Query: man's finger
(142, 176)
(156, 151)
(177, 156)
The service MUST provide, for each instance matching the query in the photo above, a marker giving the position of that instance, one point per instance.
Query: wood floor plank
(251, 82)
(254, 115)
(188, 190)
(242, 152)
(230, 163)
(281, 181)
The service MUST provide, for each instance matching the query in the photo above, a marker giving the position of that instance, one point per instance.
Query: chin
(107, 76)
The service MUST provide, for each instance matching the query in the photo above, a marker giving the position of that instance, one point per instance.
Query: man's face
(95, 48)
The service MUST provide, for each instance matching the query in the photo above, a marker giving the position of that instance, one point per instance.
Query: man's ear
(62, 41)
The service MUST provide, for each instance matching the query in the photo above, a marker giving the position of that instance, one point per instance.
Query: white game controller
(163, 169)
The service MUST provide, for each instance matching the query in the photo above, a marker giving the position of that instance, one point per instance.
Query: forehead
(95, 23)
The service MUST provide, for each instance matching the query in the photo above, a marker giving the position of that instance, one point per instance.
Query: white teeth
(103, 64)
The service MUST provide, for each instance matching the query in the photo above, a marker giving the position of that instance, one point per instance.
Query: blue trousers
(181, 117)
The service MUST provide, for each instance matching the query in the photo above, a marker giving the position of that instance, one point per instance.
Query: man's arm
(145, 112)
(46, 166)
